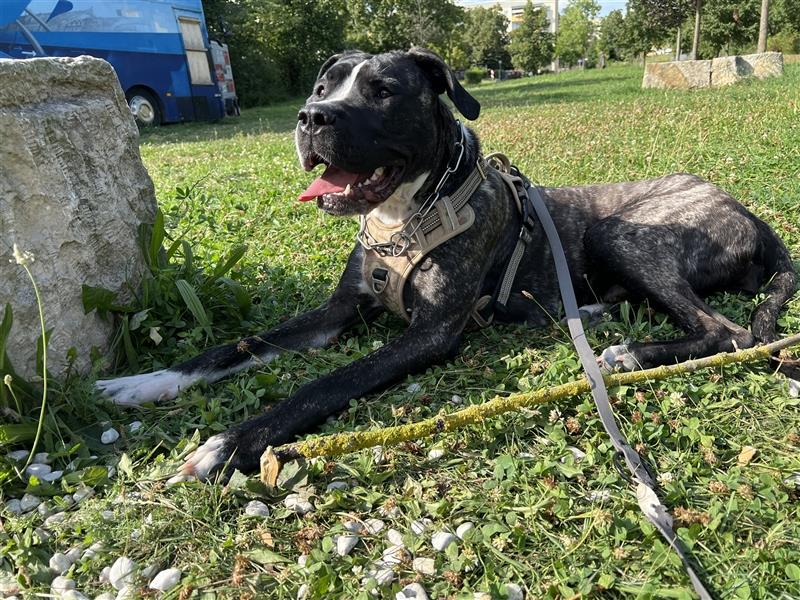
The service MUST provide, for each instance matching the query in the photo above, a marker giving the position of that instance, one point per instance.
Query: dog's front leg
(348, 306)
(423, 344)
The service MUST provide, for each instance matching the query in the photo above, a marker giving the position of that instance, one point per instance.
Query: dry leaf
(746, 455)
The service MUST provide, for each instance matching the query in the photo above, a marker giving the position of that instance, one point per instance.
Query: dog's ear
(444, 80)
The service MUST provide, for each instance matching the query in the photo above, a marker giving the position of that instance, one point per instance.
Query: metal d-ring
(400, 241)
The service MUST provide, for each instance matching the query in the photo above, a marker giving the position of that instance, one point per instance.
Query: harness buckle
(380, 278)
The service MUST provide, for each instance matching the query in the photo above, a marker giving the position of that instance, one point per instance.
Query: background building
(513, 10)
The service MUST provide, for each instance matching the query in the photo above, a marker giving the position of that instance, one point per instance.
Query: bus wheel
(144, 108)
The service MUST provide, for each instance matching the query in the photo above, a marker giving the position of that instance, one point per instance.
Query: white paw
(148, 387)
(203, 461)
(617, 357)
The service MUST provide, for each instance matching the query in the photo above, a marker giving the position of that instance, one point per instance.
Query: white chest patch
(400, 205)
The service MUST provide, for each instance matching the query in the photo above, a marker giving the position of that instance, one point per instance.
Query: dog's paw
(617, 357)
(208, 458)
(148, 387)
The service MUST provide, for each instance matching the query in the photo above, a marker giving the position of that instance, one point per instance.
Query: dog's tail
(782, 280)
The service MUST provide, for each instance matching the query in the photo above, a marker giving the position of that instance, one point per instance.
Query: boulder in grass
(73, 193)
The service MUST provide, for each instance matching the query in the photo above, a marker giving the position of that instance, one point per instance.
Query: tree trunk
(698, 7)
(557, 61)
(762, 30)
(678, 45)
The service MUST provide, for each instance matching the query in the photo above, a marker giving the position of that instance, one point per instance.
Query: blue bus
(159, 49)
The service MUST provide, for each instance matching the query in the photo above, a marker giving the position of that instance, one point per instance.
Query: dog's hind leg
(348, 305)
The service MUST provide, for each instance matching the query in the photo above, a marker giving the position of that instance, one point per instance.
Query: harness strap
(458, 198)
(649, 502)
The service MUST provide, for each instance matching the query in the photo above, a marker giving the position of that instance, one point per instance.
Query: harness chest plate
(386, 274)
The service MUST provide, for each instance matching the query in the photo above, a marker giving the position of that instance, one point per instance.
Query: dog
(389, 143)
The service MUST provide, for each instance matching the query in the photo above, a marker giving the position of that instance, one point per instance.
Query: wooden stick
(345, 443)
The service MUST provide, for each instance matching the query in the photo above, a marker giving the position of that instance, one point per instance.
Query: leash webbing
(648, 500)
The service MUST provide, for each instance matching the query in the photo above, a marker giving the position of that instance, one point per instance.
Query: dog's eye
(320, 90)
(384, 93)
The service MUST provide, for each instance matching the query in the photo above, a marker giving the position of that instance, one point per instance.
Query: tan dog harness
(393, 251)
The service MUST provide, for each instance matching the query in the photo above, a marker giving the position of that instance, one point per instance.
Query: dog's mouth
(337, 185)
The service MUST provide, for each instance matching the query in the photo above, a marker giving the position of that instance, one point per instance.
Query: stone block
(728, 70)
(73, 192)
(766, 64)
(681, 75)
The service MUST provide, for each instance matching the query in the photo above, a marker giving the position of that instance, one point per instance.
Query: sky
(606, 6)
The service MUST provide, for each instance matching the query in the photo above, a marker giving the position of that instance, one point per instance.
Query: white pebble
(794, 388)
(374, 526)
(302, 592)
(43, 535)
(353, 526)
(107, 515)
(420, 525)
(82, 493)
(112, 470)
(136, 534)
(105, 596)
(60, 563)
(514, 592)
(394, 555)
(109, 436)
(73, 595)
(73, 554)
(55, 519)
(577, 453)
(337, 485)
(104, 575)
(395, 537)
(425, 566)
(413, 388)
(346, 543)
(29, 502)
(481, 596)
(435, 453)
(122, 572)
(462, 529)
(61, 584)
(135, 426)
(302, 560)
(18, 455)
(38, 469)
(392, 512)
(125, 593)
(413, 591)
(442, 539)
(166, 580)
(14, 506)
(298, 504)
(793, 479)
(256, 508)
(456, 399)
(52, 476)
(382, 573)
(150, 570)
(91, 552)
(41, 457)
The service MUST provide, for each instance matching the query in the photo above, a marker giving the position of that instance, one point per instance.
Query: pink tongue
(332, 181)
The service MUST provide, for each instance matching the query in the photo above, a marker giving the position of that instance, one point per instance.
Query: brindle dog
(379, 127)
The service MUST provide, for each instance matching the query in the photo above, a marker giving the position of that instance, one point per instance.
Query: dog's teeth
(378, 173)
(347, 190)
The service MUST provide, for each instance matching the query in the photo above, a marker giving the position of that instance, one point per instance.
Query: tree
(729, 25)
(486, 37)
(382, 25)
(763, 26)
(612, 35)
(531, 45)
(663, 16)
(576, 30)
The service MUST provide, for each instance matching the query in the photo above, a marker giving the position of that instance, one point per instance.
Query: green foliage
(474, 75)
(532, 45)
(729, 26)
(613, 35)
(576, 31)
(787, 41)
(486, 36)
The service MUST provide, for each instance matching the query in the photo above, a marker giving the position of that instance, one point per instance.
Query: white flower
(21, 257)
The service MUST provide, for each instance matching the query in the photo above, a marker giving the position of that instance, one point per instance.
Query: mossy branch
(345, 443)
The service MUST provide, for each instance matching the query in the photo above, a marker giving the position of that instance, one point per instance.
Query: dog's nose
(314, 117)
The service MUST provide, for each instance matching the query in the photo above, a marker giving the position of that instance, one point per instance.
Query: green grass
(541, 520)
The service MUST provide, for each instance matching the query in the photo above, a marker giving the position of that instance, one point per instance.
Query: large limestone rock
(726, 70)
(73, 192)
(682, 75)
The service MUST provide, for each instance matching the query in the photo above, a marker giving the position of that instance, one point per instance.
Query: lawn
(551, 515)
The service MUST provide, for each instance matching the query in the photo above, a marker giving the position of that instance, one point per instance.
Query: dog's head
(375, 123)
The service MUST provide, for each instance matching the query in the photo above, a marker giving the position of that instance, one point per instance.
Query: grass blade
(194, 305)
